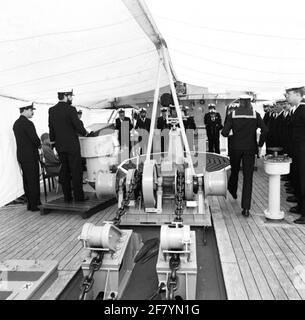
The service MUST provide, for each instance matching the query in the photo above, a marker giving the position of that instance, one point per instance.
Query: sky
(238, 45)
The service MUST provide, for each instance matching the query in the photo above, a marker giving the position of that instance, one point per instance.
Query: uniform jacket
(189, 123)
(298, 124)
(266, 118)
(64, 126)
(118, 123)
(162, 123)
(213, 127)
(26, 139)
(143, 124)
(244, 123)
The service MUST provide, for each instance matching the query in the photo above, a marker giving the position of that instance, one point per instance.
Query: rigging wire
(77, 70)
(235, 51)
(234, 66)
(43, 35)
(68, 55)
(231, 31)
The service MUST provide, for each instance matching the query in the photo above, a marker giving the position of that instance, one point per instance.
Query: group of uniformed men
(65, 127)
(285, 121)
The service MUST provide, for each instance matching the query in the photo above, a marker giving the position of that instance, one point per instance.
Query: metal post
(154, 112)
(177, 107)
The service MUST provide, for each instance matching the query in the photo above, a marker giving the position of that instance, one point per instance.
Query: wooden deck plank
(257, 272)
(268, 245)
(28, 238)
(234, 283)
(272, 249)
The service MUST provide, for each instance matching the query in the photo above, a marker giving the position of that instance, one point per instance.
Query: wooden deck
(28, 235)
(260, 260)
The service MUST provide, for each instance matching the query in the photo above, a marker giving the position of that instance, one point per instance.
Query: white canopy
(100, 48)
(109, 48)
(235, 45)
(96, 47)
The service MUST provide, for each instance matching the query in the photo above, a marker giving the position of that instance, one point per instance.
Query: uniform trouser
(299, 153)
(214, 143)
(30, 176)
(248, 158)
(71, 169)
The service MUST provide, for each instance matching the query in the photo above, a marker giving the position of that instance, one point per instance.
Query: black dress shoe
(294, 209)
(301, 220)
(233, 194)
(292, 199)
(245, 212)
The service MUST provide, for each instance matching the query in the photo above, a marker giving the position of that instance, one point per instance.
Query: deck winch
(177, 262)
(109, 263)
(168, 189)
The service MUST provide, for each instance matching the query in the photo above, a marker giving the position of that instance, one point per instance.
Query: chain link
(172, 282)
(132, 191)
(179, 196)
(88, 281)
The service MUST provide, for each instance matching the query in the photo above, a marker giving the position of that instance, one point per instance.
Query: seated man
(52, 162)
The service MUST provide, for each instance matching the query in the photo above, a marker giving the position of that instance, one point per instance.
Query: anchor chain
(172, 282)
(133, 190)
(88, 281)
(179, 197)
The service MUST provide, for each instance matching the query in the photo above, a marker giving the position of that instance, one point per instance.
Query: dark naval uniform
(244, 123)
(212, 121)
(28, 157)
(143, 124)
(189, 123)
(298, 138)
(118, 126)
(65, 126)
(162, 123)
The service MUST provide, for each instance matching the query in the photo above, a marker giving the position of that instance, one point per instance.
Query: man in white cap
(65, 127)
(244, 122)
(295, 97)
(143, 122)
(28, 142)
(212, 121)
(188, 121)
(118, 124)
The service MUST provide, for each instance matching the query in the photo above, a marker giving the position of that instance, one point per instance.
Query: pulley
(189, 186)
(106, 236)
(174, 236)
(105, 185)
(149, 183)
(215, 183)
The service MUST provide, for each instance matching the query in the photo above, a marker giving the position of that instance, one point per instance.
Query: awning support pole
(154, 111)
(177, 107)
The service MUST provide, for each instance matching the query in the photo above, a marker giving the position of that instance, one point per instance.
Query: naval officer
(28, 142)
(65, 127)
(143, 122)
(295, 96)
(244, 122)
(212, 121)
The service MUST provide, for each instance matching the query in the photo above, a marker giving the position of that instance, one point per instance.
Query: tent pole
(177, 107)
(154, 111)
